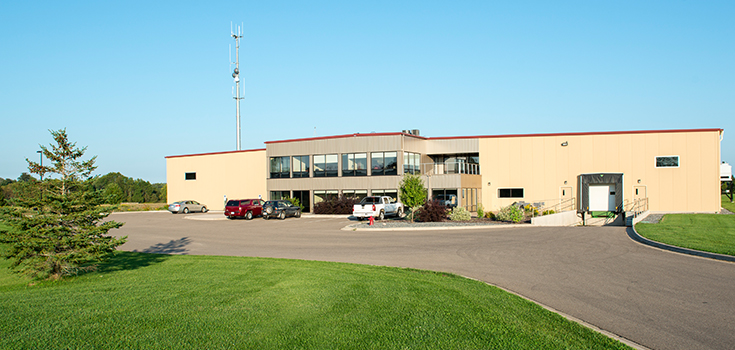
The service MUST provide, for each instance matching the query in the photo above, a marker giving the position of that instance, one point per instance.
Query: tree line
(115, 188)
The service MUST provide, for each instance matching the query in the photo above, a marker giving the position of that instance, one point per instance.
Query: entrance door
(639, 192)
(602, 197)
(565, 201)
(303, 197)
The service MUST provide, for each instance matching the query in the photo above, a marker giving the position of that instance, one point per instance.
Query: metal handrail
(637, 206)
(560, 205)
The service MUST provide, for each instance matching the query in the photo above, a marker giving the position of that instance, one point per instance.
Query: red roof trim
(213, 153)
(345, 136)
(577, 134)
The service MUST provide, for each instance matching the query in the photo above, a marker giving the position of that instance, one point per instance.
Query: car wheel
(281, 216)
(204, 209)
(360, 218)
(298, 214)
(269, 210)
(249, 215)
(266, 217)
(399, 214)
(381, 216)
(186, 210)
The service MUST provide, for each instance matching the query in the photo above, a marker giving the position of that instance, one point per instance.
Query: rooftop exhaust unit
(414, 132)
(725, 172)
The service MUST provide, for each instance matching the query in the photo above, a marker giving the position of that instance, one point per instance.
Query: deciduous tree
(413, 193)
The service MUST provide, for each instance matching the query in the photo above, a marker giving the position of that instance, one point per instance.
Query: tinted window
(667, 162)
(231, 203)
(510, 193)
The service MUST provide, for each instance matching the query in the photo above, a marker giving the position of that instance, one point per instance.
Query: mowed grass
(713, 233)
(148, 301)
(727, 205)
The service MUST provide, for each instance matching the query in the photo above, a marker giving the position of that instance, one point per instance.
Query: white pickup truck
(377, 207)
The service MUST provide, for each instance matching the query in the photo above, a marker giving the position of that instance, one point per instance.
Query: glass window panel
(361, 164)
(376, 162)
(319, 196)
(332, 165)
(320, 165)
(667, 162)
(286, 165)
(348, 163)
(391, 163)
(510, 193)
(408, 163)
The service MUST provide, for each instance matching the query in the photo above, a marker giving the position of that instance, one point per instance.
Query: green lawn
(210, 302)
(713, 233)
(727, 205)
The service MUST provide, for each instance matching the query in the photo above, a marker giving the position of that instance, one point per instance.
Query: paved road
(658, 299)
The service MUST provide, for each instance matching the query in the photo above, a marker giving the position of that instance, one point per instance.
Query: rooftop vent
(414, 132)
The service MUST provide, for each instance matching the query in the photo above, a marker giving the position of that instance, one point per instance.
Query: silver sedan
(186, 207)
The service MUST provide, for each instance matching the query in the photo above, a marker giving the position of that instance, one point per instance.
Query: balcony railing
(445, 168)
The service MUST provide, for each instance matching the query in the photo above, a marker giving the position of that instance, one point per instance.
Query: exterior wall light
(639, 180)
(565, 182)
(488, 183)
(564, 144)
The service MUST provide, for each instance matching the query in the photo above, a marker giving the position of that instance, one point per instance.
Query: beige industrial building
(663, 170)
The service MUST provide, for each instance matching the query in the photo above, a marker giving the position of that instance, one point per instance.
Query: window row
(353, 164)
(323, 195)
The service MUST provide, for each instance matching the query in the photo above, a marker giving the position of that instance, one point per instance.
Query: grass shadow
(122, 261)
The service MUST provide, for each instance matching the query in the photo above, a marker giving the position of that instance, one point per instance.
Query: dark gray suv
(280, 209)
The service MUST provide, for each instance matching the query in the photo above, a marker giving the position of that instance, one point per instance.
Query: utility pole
(236, 76)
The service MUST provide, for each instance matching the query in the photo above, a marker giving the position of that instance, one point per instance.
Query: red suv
(246, 208)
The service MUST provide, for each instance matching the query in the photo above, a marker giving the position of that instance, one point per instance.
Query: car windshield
(232, 203)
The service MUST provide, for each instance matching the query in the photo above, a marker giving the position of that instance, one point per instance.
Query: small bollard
(372, 221)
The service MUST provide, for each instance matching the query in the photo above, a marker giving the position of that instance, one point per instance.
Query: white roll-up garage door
(602, 197)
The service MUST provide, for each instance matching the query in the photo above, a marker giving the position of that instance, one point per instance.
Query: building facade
(668, 170)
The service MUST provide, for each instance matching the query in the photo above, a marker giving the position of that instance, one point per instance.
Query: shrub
(297, 202)
(480, 211)
(433, 211)
(510, 213)
(490, 215)
(460, 214)
(548, 212)
(530, 210)
(341, 205)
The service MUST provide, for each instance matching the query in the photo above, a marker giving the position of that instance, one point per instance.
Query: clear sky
(136, 81)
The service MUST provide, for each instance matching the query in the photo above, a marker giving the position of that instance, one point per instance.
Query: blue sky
(136, 81)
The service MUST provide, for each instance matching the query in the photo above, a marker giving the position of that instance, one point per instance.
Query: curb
(633, 234)
(351, 227)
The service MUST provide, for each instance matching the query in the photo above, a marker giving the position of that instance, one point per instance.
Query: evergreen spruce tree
(59, 231)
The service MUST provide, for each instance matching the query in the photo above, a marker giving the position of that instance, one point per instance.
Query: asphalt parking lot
(597, 275)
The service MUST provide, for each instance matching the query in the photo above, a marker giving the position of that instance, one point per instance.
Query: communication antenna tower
(236, 34)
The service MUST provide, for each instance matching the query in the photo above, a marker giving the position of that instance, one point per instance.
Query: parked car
(244, 208)
(377, 207)
(186, 207)
(280, 209)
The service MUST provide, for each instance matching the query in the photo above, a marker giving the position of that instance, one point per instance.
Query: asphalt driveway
(658, 299)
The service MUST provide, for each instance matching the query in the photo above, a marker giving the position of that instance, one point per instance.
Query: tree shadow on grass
(152, 255)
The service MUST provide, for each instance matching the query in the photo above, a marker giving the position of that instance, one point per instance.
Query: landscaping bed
(404, 223)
